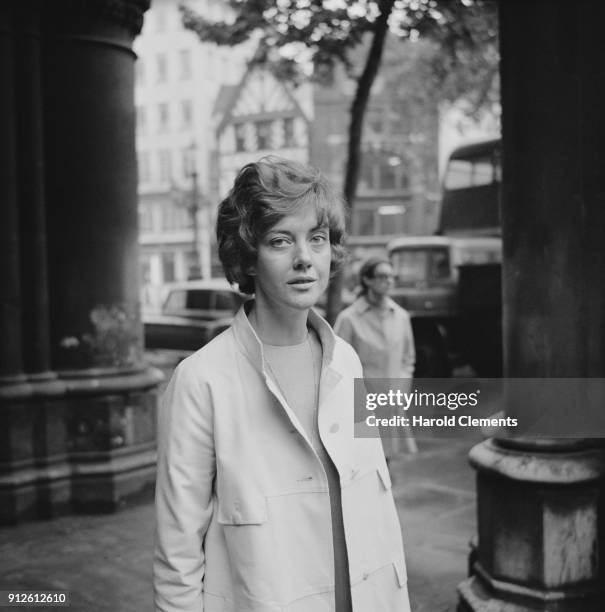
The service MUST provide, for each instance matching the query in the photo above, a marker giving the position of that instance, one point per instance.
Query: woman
(381, 333)
(265, 501)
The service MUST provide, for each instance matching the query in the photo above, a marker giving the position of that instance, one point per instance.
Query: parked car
(192, 314)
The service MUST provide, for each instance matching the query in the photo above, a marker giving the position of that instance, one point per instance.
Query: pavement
(105, 560)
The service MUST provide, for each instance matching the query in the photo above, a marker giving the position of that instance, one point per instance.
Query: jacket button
(365, 575)
(334, 427)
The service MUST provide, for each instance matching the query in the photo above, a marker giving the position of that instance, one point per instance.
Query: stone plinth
(539, 516)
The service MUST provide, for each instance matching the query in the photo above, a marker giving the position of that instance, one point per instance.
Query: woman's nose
(302, 256)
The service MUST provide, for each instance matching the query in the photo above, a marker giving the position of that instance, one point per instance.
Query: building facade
(177, 81)
(398, 185)
(260, 116)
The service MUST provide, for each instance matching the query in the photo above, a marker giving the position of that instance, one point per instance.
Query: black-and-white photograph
(302, 305)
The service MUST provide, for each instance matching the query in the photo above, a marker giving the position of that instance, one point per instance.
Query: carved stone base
(540, 523)
(80, 445)
(474, 596)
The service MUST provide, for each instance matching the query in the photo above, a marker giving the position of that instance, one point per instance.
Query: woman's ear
(250, 270)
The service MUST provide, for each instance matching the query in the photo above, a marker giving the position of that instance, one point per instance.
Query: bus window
(463, 173)
(483, 172)
(459, 174)
(420, 264)
(471, 190)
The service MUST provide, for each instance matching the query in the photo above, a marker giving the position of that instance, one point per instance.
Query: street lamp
(193, 207)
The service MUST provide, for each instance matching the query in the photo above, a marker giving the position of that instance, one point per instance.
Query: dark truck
(451, 282)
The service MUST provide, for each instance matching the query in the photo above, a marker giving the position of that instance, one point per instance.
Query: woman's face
(292, 269)
(381, 281)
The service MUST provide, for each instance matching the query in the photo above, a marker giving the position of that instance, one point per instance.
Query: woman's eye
(319, 238)
(278, 242)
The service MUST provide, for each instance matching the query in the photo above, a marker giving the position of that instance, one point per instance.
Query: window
(185, 61)
(369, 174)
(162, 70)
(176, 300)
(388, 176)
(145, 218)
(168, 267)
(163, 117)
(263, 135)
(186, 162)
(174, 217)
(421, 264)
(464, 173)
(200, 299)
(226, 300)
(289, 140)
(187, 113)
(141, 119)
(363, 221)
(145, 268)
(382, 170)
(143, 162)
(165, 166)
(240, 137)
(390, 220)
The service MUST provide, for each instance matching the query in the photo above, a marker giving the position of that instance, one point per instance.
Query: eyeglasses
(384, 276)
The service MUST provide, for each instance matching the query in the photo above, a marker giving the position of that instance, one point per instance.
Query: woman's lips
(301, 282)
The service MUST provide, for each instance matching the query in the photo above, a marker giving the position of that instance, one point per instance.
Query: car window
(176, 300)
(226, 300)
(199, 299)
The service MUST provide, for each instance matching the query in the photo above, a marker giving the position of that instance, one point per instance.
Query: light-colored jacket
(243, 512)
(383, 338)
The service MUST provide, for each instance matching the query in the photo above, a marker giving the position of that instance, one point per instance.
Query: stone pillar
(11, 348)
(32, 205)
(77, 403)
(541, 503)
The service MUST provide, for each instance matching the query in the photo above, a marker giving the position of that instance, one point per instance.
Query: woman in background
(381, 333)
(265, 501)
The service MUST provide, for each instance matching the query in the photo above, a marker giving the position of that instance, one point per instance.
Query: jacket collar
(252, 346)
(247, 337)
(362, 305)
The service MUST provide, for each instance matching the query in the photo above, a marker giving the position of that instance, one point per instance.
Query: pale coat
(382, 337)
(243, 512)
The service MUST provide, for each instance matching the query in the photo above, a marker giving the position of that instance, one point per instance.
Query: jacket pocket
(245, 511)
(213, 603)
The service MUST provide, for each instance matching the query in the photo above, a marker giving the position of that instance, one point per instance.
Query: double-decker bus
(471, 190)
(450, 283)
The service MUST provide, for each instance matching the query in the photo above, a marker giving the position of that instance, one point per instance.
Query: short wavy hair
(263, 193)
(368, 267)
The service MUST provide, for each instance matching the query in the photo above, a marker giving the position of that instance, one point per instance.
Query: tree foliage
(306, 39)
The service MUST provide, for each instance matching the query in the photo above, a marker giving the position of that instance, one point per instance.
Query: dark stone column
(11, 349)
(80, 434)
(16, 445)
(32, 206)
(91, 176)
(541, 503)
(91, 180)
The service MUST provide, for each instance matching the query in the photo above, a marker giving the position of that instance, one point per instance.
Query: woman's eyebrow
(278, 230)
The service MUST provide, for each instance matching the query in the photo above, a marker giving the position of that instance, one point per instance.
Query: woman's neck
(277, 327)
(375, 299)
